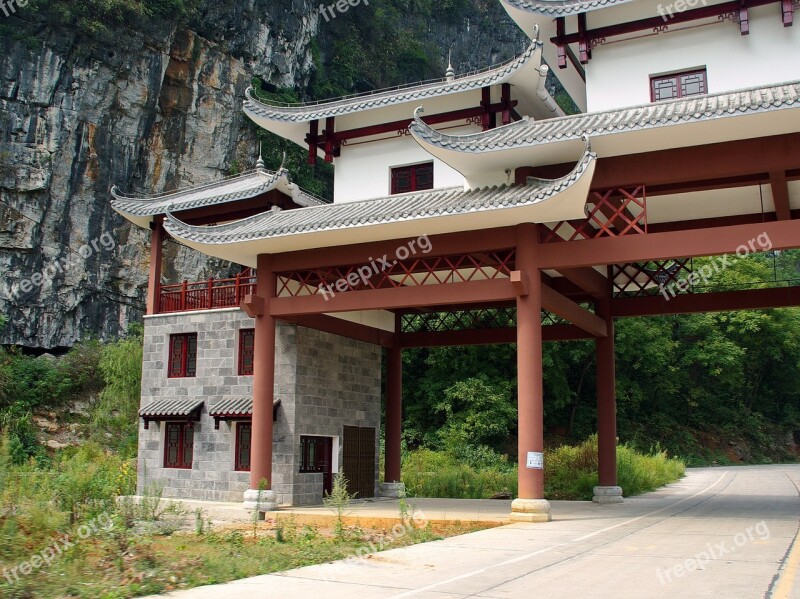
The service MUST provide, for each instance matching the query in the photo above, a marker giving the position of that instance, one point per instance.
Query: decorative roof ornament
(282, 167)
(260, 162)
(450, 75)
(535, 32)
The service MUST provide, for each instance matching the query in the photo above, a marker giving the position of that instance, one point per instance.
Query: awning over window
(237, 408)
(171, 408)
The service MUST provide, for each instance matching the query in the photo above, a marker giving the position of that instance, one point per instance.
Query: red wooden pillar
(530, 505)
(607, 490)
(394, 409)
(263, 387)
(154, 278)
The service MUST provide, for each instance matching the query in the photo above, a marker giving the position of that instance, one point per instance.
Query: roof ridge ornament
(450, 74)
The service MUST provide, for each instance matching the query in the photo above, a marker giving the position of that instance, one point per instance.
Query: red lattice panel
(383, 273)
(611, 213)
(637, 280)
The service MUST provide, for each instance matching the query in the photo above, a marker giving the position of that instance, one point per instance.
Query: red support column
(607, 490)
(530, 506)
(154, 278)
(394, 409)
(263, 389)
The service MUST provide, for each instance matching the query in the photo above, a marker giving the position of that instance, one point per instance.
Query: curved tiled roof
(561, 8)
(169, 407)
(392, 209)
(526, 133)
(240, 187)
(313, 111)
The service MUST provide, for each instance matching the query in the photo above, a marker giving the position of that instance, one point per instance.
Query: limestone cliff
(159, 108)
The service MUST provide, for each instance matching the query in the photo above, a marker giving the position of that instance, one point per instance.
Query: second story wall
(364, 171)
(619, 73)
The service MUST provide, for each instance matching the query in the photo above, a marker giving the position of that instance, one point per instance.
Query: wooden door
(358, 460)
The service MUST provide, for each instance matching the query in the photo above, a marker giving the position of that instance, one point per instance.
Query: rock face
(155, 111)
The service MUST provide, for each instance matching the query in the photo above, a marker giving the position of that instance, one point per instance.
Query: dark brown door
(327, 466)
(358, 460)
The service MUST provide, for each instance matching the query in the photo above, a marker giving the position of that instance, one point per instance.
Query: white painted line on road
(787, 577)
(546, 549)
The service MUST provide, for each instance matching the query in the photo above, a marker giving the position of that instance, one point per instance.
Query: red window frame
(244, 440)
(178, 445)
(247, 340)
(416, 177)
(678, 79)
(182, 355)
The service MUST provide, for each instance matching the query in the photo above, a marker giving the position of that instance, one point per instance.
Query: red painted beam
(784, 235)
(588, 279)
(756, 156)
(780, 194)
(344, 328)
(390, 299)
(569, 310)
(749, 299)
(449, 244)
(658, 23)
(557, 332)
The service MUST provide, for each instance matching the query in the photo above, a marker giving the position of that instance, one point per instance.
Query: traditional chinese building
(469, 210)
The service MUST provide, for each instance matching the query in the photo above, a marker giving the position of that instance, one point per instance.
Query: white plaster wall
(363, 171)
(619, 73)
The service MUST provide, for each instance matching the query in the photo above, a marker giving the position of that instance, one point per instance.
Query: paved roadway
(719, 532)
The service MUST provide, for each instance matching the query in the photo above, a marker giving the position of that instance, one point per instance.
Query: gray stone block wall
(324, 382)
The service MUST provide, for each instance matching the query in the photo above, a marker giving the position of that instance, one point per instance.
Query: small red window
(182, 355)
(417, 177)
(244, 435)
(178, 445)
(678, 85)
(247, 339)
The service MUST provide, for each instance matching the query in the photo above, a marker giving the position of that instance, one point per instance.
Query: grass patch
(570, 473)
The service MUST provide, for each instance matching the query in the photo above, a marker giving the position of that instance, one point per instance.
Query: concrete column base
(530, 510)
(605, 495)
(393, 490)
(268, 500)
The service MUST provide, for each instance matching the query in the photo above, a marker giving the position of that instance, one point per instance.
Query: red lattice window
(314, 454)
(182, 355)
(178, 445)
(244, 436)
(247, 339)
(678, 85)
(416, 177)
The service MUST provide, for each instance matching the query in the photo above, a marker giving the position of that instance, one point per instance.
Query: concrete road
(720, 532)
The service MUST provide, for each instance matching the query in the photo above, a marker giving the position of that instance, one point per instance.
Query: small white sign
(535, 460)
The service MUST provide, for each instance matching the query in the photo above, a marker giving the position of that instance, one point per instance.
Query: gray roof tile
(235, 406)
(240, 187)
(391, 209)
(561, 8)
(170, 407)
(378, 99)
(526, 133)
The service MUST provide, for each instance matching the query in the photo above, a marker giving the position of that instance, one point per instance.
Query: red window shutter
(172, 442)
(247, 339)
(244, 433)
(188, 446)
(176, 355)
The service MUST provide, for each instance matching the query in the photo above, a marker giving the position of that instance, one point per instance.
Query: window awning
(172, 408)
(237, 408)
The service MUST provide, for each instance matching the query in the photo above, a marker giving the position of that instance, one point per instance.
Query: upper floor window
(416, 177)
(247, 338)
(178, 445)
(678, 85)
(182, 355)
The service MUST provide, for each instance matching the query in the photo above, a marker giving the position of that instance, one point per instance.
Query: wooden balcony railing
(206, 295)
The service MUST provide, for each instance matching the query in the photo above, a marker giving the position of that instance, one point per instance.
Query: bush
(571, 472)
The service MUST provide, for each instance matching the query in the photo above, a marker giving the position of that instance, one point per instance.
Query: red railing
(206, 295)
